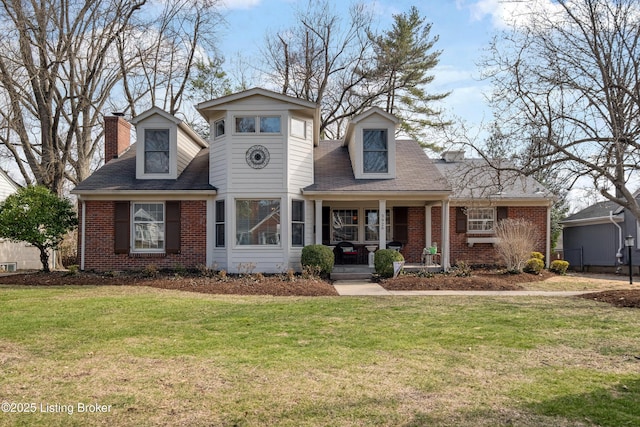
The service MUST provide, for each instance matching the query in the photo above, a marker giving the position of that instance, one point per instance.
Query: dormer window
(156, 151)
(375, 151)
(268, 124)
(219, 128)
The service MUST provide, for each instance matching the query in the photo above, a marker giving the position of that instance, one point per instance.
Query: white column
(318, 222)
(548, 239)
(427, 227)
(382, 215)
(446, 260)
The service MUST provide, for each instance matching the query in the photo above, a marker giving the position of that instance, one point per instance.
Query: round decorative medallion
(257, 156)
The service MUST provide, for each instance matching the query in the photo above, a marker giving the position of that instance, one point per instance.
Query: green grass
(170, 358)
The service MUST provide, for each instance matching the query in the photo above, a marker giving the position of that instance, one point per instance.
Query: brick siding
(99, 235)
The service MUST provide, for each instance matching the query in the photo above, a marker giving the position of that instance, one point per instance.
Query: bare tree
(55, 76)
(60, 69)
(325, 59)
(567, 92)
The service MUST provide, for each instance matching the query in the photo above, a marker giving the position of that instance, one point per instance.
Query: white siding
(6, 187)
(300, 167)
(156, 122)
(187, 150)
(245, 178)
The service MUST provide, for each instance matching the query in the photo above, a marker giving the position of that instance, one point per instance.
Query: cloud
(507, 14)
(240, 4)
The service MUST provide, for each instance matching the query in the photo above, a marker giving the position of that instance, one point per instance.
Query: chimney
(117, 136)
(453, 156)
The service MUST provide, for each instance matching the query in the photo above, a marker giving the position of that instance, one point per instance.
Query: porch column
(318, 222)
(382, 215)
(427, 226)
(446, 260)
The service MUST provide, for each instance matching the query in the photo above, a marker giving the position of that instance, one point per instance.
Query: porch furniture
(395, 245)
(429, 259)
(346, 251)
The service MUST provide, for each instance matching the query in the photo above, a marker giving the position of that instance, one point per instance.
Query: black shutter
(400, 224)
(326, 225)
(122, 228)
(172, 227)
(461, 220)
(502, 212)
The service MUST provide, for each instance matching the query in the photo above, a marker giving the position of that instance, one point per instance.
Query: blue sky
(464, 28)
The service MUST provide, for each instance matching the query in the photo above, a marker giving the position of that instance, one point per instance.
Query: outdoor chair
(347, 252)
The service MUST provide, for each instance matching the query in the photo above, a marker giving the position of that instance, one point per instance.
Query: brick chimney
(117, 136)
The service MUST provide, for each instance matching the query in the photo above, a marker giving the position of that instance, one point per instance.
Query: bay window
(297, 223)
(258, 222)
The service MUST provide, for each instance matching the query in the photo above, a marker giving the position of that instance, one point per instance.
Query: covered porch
(355, 229)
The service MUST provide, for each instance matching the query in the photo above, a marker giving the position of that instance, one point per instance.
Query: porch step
(350, 276)
(351, 272)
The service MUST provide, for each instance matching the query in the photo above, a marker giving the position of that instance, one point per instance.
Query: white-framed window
(219, 128)
(481, 220)
(298, 128)
(156, 151)
(375, 152)
(372, 225)
(148, 227)
(297, 223)
(344, 225)
(267, 124)
(220, 224)
(257, 222)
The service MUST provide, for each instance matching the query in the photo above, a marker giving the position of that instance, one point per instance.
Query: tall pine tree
(405, 55)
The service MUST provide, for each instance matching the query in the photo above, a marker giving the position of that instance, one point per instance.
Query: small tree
(37, 216)
(516, 240)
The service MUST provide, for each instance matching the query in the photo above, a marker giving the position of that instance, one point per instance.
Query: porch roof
(415, 173)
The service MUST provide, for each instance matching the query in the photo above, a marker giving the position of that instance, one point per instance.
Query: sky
(464, 28)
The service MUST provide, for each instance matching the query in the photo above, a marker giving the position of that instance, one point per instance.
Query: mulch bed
(276, 286)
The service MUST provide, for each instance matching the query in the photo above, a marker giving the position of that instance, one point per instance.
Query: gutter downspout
(619, 254)
(82, 234)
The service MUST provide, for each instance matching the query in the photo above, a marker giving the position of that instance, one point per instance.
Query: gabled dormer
(165, 145)
(371, 141)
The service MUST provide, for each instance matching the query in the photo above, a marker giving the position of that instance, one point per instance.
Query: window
(298, 128)
(375, 151)
(480, 220)
(148, 227)
(372, 225)
(270, 124)
(245, 124)
(156, 151)
(297, 223)
(220, 224)
(218, 128)
(258, 222)
(344, 225)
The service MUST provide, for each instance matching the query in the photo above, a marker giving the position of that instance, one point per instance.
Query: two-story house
(264, 186)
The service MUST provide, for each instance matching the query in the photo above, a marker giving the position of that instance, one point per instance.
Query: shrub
(516, 240)
(559, 266)
(537, 255)
(384, 259)
(534, 265)
(319, 258)
(461, 269)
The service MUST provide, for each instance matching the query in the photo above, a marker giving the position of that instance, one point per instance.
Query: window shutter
(502, 212)
(172, 227)
(461, 220)
(400, 224)
(122, 228)
(326, 225)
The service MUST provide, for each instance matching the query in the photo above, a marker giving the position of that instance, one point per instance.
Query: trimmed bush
(534, 266)
(537, 255)
(319, 258)
(559, 266)
(384, 259)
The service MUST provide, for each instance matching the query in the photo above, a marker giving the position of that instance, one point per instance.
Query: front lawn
(164, 357)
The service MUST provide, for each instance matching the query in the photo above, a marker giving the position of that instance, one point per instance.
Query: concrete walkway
(364, 288)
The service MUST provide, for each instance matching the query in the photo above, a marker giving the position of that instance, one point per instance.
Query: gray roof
(477, 179)
(414, 172)
(120, 175)
(597, 210)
